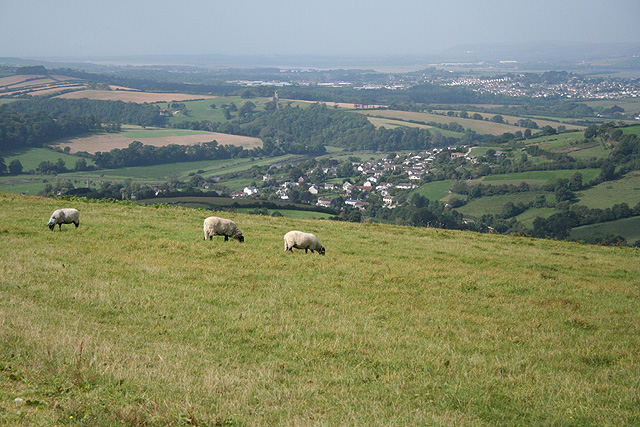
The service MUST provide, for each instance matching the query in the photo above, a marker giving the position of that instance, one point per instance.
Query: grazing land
(132, 319)
(607, 194)
(628, 227)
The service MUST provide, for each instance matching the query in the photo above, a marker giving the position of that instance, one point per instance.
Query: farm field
(286, 209)
(129, 95)
(34, 84)
(629, 228)
(32, 184)
(535, 177)
(436, 190)
(391, 124)
(480, 126)
(157, 137)
(630, 105)
(134, 319)
(199, 110)
(513, 119)
(493, 204)
(30, 157)
(609, 193)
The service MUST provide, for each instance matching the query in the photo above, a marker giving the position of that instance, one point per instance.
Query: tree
(81, 165)
(497, 119)
(15, 167)
(3, 166)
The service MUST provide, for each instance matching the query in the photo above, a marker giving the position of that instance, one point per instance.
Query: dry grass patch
(132, 96)
(107, 142)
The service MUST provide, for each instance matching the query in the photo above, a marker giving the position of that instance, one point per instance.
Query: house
(325, 202)
(237, 194)
(267, 177)
(361, 205)
(250, 191)
(314, 189)
(406, 186)
(388, 200)
(329, 186)
(347, 186)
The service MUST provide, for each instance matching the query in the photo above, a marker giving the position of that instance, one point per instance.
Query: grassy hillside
(133, 319)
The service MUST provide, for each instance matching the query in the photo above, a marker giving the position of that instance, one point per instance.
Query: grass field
(607, 194)
(132, 319)
(536, 177)
(223, 203)
(629, 228)
(436, 190)
(31, 157)
(493, 204)
(201, 109)
(32, 184)
(514, 119)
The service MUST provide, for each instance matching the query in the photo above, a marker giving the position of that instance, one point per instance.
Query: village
(372, 181)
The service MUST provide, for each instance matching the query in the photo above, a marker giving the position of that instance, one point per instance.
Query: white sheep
(214, 226)
(64, 216)
(301, 240)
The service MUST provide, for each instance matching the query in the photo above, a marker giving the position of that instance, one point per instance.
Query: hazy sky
(75, 28)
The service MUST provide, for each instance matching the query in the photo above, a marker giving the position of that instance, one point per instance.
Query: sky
(90, 28)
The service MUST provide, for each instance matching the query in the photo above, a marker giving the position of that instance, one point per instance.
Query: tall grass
(133, 319)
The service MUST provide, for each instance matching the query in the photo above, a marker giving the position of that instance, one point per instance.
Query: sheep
(64, 216)
(301, 240)
(214, 226)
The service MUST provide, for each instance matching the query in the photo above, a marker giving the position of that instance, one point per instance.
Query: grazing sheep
(214, 226)
(300, 240)
(64, 216)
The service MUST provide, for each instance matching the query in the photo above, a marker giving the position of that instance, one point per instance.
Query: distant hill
(543, 52)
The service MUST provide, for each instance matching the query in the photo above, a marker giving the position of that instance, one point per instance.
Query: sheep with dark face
(64, 216)
(301, 240)
(215, 226)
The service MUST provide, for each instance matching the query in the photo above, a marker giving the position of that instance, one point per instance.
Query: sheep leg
(226, 238)
(306, 250)
(60, 226)
(76, 224)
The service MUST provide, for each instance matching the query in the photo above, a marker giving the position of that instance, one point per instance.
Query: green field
(537, 177)
(30, 157)
(436, 190)
(133, 320)
(607, 194)
(287, 209)
(493, 204)
(291, 213)
(201, 110)
(629, 228)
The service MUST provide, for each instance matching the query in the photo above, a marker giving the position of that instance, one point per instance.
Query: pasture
(132, 319)
(493, 204)
(436, 190)
(629, 228)
(536, 177)
(31, 157)
(609, 193)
